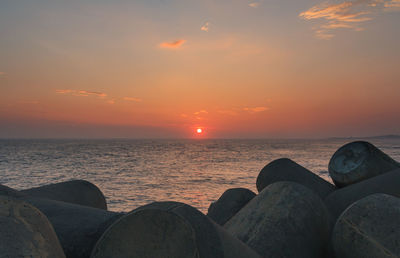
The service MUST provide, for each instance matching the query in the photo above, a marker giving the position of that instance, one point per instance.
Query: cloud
(392, 4)
(205, 27)
(255, 109)
(83, 93)
(111, 101)
(132, 99)
(254, 4)
(64, 91)
(345, 15)
(2, 73)
(173, 45)
(95, 93)
(201, 112)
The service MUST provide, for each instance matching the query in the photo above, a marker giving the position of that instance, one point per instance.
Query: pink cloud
(345, 15)
(174, 44)
(132, 99)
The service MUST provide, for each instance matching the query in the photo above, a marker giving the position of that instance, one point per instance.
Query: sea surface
(132, 173)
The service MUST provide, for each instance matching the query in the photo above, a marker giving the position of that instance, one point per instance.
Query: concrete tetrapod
(230, 202)
(285, 219)
(369, 228)
(168, 229)
(357, 161)
(78, 227)
(339, 200)
(25, 231)
(287, 170)
(79, 192)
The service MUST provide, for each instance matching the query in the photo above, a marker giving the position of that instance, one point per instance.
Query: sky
(165, 68)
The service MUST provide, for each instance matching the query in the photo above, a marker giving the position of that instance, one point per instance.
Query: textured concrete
(285, 219)
(287, 170)
(230, 202)
(369, 228)
(78, 227)
(168, 229)
(25, 231)
(339, 200)
(357, 161)
(76, 191)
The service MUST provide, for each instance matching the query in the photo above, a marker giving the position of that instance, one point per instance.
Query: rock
(25, 231)
(76, 191)
(287, 170)
(339, 200)
(285, 219)
(357, 161)
(369, 228)
(78, 227)
(230, 202)
(168, 229)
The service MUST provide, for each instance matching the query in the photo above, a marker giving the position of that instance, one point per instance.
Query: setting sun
(199, 130)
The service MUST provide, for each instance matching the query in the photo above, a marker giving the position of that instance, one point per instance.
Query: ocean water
(132, 173)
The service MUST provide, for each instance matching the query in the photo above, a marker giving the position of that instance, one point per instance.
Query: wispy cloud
(392, 4)
(132, 99)
(173, 44)
(95, 93)
(345, 15)
(254, 4)
(201, 112)
(64, 91)
(205, 27)
(82, 93)
(255, 109)
(2, 73)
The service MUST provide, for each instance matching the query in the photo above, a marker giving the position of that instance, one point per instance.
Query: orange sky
(159, 69)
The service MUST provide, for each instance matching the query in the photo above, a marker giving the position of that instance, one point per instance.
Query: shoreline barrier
(142, 233)
(80, 192)
(285, 219)
(369, 228)
(25, 231)
(358, 161)
(285, 169)
(230, 202)
(339, 200)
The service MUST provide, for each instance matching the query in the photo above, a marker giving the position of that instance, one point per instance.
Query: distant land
(389, 136)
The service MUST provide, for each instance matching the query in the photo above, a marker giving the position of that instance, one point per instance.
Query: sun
(199, 130)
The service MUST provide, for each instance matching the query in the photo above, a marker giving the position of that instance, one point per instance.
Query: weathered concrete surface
(230, 202)
(369, 228)
(287, 170)
(25, 231)
(285, 219)
(357, 161)
(339, 200)
(78, 227)
(168, 229)
(79, 192)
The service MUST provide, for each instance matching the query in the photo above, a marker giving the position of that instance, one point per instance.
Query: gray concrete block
(339, 200)
(358, 161)
(168, 229)
(287, 170)
(285, 219)
(25, 231)
(369, 228)
(230, 202)
(79, 192)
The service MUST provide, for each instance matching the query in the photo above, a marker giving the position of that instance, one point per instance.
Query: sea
(133, 172)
